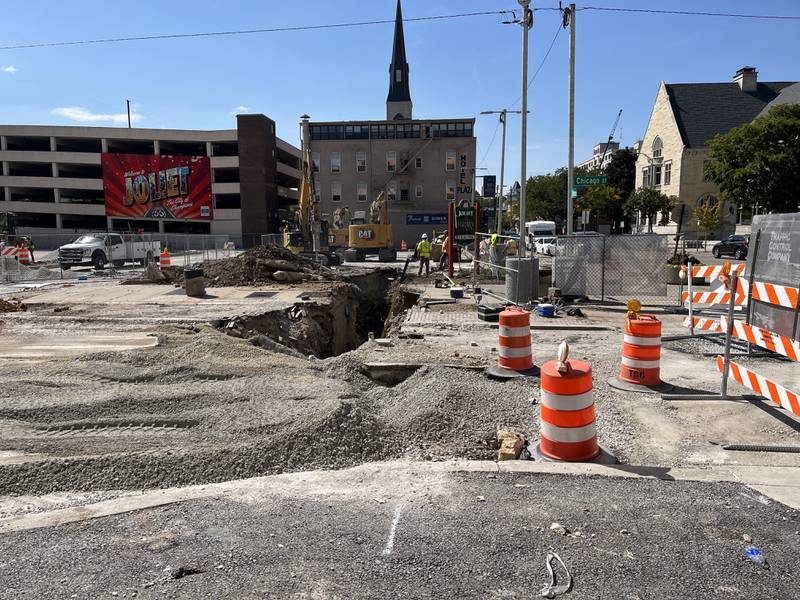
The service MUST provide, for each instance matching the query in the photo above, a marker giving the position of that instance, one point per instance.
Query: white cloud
(240, 109)
(82, 115)
(10, 69)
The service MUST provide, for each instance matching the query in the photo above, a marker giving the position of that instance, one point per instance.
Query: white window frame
(391, 161)
(391, 191)
(646, 177)
(317, 191)
(418, 191)
(448, 166)
(336, 162)
(362, 185)
(657, 148)
(655, 175)
(666, 175)
(450, 190)
(361, 161)
(336, 190)
(315, 162)
(418, 162)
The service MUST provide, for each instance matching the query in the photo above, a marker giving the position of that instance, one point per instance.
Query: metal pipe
(526, 23)
(728, 335)
(689, 291)
(571, 165)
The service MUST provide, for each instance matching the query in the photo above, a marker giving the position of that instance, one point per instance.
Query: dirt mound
(264, 264)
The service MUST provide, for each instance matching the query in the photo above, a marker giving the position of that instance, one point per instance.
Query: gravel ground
(426, 536)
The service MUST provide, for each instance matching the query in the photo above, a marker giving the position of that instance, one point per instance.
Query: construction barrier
(764, 338)
(762, 386)
(713, 271)
(568, 431)
(9, 251)
(641, 351)
(514, 346)
(24, 256)
(164, 261)
(703, 324)
(771, 293)
(718, 297)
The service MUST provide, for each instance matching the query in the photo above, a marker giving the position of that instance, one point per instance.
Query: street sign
(574, 192)
(489, 186)
(590, 180)
(585, 217)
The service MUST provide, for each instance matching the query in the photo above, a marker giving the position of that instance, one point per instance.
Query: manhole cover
(261, 295)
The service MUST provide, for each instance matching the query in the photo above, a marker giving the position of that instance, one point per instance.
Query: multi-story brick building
(420, 164)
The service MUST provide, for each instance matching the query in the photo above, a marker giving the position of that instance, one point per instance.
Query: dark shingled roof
(702, 110)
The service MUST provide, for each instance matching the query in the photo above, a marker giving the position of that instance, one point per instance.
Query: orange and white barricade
(703, 324)
(9, 251)
(514, 344)
(24, 256)
(720, 296)
(164, 261)
(762, 386)
(764, 338)
(771, 293)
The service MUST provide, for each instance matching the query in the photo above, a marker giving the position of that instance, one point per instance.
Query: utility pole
(128, 102)
(527, 22)
(569, 14)
(503, 117)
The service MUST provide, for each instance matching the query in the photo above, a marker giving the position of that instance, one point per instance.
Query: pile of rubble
(7, 306)
(264, 264)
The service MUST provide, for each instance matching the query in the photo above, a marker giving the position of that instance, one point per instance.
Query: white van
(537, 230)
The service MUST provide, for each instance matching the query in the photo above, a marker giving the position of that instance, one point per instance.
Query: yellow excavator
(310, 237)
(374, 236)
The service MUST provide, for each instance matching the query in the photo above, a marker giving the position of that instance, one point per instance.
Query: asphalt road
(453, 536)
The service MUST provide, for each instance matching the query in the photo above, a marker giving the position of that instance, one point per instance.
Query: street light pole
(527, 21)
(503, 118)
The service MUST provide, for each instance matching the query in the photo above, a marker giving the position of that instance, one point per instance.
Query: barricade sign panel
(773, 266)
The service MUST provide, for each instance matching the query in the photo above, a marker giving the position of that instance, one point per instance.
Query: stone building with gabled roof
(685, 117)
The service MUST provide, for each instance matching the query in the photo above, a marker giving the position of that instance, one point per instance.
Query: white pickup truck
(98, 249)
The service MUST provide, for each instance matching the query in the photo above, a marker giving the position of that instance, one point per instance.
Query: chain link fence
(614, 267)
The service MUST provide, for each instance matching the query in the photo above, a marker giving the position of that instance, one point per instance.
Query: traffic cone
(403, 246)
(164, 261)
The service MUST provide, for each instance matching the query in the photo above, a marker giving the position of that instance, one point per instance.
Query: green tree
(621, 171)
(649, 202)
(601, 201)
(547, 196)
(709, 217)
(759, 162)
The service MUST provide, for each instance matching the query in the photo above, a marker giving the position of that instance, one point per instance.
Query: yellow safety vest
(494, 239)
(424, 248)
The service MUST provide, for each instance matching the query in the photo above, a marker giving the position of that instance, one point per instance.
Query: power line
(491, 143)
(691, 13)
(174, 36)
(541, 63)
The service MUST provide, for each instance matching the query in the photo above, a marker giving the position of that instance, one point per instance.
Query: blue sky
(459, 67)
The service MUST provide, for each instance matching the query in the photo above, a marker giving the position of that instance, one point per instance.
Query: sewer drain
(262, 295)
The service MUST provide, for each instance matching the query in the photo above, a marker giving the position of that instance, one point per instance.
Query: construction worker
(443, 260)
(424, 253)
(337, 218)
(346, 216)
(494, 256)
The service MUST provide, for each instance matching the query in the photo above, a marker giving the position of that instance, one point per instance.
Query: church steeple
(398, 102)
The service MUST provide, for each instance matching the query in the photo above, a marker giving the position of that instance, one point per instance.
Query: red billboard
(157, 187)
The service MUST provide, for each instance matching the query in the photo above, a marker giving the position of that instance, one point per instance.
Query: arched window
(657, 146)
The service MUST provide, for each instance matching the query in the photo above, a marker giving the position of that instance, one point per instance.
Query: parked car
(546, 246)
(735, 245)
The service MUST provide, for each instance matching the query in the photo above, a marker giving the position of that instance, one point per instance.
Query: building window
(317, 192)
(451, 190)
(418, 191)
(451, 160)
(418, 162)
(336, 192)
(336, 162)
(667, 173)
(361, 161)
(656, 175)
(362, 191)
(646, 177)
(391, 191)
(403, 194)
(658, 145)
(391, 161)
(315, 161)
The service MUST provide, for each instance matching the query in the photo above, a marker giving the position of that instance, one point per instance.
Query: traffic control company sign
(157, 187)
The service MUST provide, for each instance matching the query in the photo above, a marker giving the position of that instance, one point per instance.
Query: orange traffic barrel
(568, 431)
(164, 259)
(641, 351)
(24, 256)
(514, 347)
(403, 246)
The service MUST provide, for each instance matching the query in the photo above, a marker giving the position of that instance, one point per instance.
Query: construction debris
(511, 444)
(7, 306)
(265, 264)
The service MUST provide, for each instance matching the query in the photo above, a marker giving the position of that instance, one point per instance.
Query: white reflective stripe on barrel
(641, 341)
(568, 434)
(567, 403)
(514, 331)
(507, 352)
(640, 364)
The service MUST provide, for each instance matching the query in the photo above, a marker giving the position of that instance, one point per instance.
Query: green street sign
(588, 180)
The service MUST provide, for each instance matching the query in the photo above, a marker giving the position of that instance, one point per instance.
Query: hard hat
(424, 236)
